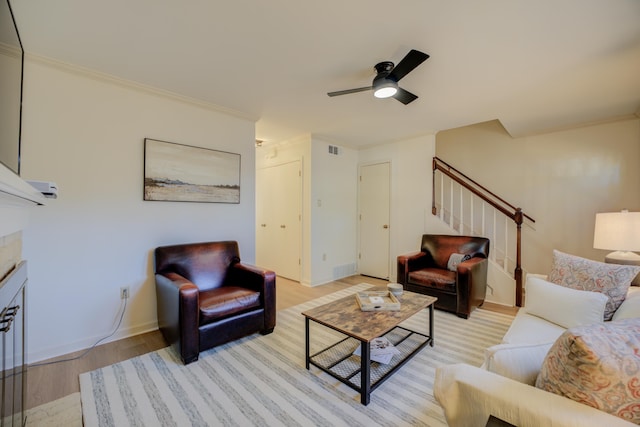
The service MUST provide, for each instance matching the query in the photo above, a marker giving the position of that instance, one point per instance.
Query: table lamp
(619, 232)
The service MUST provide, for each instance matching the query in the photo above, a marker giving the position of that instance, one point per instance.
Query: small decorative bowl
(395, 288)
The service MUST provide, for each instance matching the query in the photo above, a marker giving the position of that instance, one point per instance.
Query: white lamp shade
(617, 231)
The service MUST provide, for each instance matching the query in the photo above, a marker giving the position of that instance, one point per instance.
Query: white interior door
(289, 219)
(374, 197)
(265, 229)
(279, 216)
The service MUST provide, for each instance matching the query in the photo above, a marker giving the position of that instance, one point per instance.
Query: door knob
(385, 226)
(263, 225)
(283, 226)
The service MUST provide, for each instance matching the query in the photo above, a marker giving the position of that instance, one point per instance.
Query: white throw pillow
(563, 306)
(630, 308)
(575, 272)
(520, 362)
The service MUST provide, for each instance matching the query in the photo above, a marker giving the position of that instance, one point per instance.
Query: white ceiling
(534, 65)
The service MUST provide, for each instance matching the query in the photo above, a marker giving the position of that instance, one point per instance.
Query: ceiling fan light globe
(385, 91)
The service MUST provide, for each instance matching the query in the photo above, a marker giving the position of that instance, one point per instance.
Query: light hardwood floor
(53, 381)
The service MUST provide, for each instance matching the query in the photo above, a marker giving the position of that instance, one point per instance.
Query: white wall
(334, 202)
(411, 179)
(86, 134)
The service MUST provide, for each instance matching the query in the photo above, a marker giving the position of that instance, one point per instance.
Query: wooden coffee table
(361, 327)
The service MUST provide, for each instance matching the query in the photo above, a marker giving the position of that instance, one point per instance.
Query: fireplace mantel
(16, 198)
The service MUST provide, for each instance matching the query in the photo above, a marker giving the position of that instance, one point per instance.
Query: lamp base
(624, 258)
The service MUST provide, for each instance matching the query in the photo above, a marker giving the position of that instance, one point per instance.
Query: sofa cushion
(520, 362)
(561, 305)
(630, 308)
(613, 280)
(597, 365)
(529, 329)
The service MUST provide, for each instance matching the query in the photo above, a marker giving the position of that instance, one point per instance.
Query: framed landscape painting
(183, 173)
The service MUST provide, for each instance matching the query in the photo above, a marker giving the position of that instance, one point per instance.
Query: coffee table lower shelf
(339, 361)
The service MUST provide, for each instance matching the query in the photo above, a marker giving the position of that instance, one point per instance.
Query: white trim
(129, 84)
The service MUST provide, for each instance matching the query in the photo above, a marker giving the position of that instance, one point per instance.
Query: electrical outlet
(124, 292)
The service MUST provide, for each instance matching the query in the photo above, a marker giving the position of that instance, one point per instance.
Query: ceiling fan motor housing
(383, 69)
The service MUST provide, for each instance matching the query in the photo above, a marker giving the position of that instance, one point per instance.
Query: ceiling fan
(385, 83)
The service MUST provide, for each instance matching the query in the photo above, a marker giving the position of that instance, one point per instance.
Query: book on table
(381, 350)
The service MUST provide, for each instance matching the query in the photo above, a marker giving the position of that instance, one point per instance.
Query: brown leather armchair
(207, 297)
(458, 290)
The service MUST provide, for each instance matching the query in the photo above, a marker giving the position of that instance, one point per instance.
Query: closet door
(279, 215)
(374, 196)
(265, 229)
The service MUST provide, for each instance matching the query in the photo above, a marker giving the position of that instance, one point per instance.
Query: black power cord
(87, 351)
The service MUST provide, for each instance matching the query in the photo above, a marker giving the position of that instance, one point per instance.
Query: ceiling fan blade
(348, 91)
(405, 96)
(408, 63)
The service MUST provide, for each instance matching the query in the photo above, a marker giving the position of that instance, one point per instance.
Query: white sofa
(504, 385)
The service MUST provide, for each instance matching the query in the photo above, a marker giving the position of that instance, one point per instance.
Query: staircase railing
(481, 214)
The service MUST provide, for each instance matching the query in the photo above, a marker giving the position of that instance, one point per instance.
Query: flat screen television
(11, 66)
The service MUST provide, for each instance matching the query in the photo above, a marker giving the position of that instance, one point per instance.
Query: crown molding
(139, 87)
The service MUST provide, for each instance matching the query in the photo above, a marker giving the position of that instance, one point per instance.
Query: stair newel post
(433, 186)
(517, 274)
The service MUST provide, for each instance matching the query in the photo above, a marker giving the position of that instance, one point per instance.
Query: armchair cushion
(434, 277)
(222, 302)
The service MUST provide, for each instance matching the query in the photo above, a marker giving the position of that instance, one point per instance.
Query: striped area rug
(262, 381)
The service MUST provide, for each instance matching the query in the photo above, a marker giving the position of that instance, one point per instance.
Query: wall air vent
(333, 150)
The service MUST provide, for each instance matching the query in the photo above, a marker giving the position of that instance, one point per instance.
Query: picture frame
(184, 173)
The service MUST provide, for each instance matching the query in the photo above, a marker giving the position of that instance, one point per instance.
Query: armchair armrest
(409, 262)
(469, 395)
(260, 280)
(178, 313)
(472, 283)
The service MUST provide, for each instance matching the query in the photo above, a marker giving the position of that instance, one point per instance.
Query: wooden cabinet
(13, 377)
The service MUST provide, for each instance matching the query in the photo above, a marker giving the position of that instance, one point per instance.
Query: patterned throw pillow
(613, 280)
(455, 259)
(597, 365)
